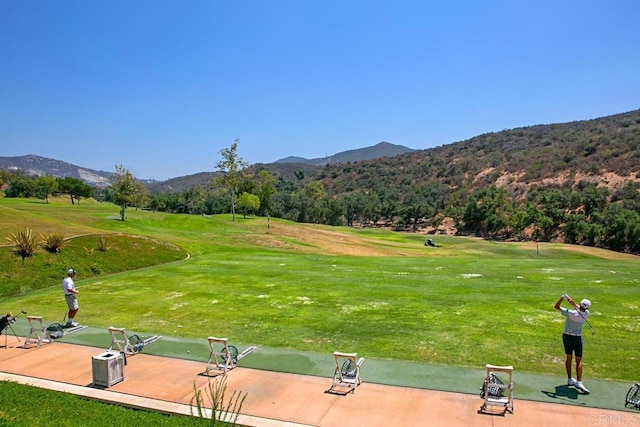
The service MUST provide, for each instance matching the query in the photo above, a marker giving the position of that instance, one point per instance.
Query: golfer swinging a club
(572, 337)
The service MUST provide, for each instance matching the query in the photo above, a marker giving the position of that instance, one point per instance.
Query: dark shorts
(572, 344)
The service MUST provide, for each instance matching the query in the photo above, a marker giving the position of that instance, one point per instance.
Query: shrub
(24, 242)
(53, 242)
(215, 394)
(103, 245)
(95, 269)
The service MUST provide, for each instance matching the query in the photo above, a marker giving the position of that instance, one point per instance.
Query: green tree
(74, 188)
(352, 206)
(231, 165)
(123, 189)
(621, 228)
(315, 201)
(248, 202)
(142, 195)
(194, 199)
(266, 190)
(47, 185)
(21, 186)
(489, 211)
(415, 206)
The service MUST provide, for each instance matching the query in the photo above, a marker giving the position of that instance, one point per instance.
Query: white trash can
(108, 368)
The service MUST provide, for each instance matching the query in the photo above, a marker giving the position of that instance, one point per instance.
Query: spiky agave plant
(103, 244)
(53, 242)
(24, 243)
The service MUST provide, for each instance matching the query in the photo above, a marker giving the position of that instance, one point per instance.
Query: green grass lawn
(58, 409)
(315, 288)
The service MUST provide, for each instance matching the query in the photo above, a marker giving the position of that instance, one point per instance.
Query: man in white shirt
(70, 292)
(572, 337)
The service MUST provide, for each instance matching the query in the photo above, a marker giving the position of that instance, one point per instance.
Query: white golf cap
(71, 271)
(585, 303)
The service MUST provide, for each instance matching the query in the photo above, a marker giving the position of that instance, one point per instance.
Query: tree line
(43, 187)
(584, 214)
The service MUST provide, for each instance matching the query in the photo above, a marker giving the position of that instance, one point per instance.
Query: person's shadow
(562, 392)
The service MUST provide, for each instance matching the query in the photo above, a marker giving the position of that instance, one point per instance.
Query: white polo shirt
(68, 285)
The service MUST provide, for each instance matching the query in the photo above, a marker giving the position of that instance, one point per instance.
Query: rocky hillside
(36, 165)
(605, 151)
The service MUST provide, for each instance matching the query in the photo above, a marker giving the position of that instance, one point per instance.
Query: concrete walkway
(277, 399)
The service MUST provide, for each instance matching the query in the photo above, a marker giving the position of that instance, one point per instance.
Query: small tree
(231, 165)
(24, 243)
(47, 185)
(142, 194)
(248, 202)
(266, 190)
(123, 189)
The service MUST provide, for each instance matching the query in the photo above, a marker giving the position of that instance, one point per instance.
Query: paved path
(278, 399)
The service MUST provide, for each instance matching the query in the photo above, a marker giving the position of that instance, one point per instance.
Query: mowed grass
(376, 292)
(31, 406)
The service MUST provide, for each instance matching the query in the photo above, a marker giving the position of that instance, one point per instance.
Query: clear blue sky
(161, 87)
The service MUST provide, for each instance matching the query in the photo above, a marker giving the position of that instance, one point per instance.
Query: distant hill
(604, 151)
(181, 183)
(288, 169)
(36, 165)
(285, 169)
(382, 149)
(280, 171)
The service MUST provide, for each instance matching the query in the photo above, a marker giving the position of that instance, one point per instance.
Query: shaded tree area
(74, 188)
(43, 187)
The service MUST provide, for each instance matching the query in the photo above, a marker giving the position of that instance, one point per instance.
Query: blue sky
(161, 87)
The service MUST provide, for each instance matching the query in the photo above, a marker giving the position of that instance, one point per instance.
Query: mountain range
(382, 149)
(36, 165)
(604, 150)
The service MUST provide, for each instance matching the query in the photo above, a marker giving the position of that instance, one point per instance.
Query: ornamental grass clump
(103, 245)
(24, 243)
(214, 393)
(53, 242)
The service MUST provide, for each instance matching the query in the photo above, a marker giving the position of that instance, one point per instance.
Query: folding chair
(38, 332)
(346, 377)
(120, 340)
(496, 392)
(220, 362)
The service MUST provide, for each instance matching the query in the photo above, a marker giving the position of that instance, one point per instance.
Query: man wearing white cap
(70, 292)
(572, 337)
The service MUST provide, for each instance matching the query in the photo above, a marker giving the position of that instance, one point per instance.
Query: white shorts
(72, 301)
